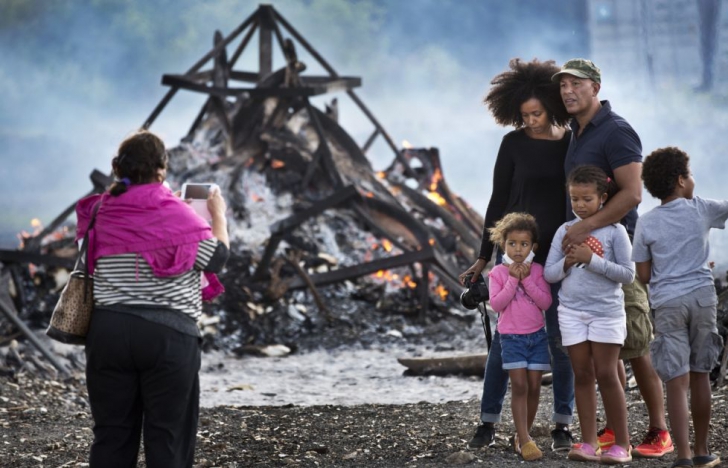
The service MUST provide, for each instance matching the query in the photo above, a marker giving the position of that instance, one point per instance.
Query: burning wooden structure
(307, 208)
(311, 222)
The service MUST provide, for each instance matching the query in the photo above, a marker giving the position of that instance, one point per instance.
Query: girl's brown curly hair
(526, 80)
(513, 222)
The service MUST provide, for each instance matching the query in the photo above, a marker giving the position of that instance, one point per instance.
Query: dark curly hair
(139, 159)
(592, 175)
(526, 80)
(513, 222)
(661, 169)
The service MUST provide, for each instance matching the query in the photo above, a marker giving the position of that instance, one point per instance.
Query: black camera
(476, 293)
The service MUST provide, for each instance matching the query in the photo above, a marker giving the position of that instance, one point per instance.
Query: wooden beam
(20, 256)
(170, 94)
(356, 271)
(352, 95)
(248, 77)
(370, 140)
(9, 312)
(265, 38)
(243, 44)
(321, 87)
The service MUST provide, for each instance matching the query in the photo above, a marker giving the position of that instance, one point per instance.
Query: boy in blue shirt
(671, 254)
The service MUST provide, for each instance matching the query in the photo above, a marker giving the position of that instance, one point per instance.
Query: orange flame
(407, 280)
(277, 164)
(386, 275)
(442, 292)
(387, 245)
(437, 198)
(436, 178)
(431, 241)
(382, 175)
(406, 144)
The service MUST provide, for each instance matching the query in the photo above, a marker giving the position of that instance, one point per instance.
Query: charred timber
(309, 87)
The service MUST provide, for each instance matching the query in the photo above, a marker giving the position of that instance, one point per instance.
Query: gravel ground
(46, 423)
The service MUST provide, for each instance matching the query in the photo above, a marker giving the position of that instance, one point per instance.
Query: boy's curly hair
(513, 222)
(526, 80)
(661, 169)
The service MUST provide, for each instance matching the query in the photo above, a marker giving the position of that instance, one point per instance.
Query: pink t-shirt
(520, 304)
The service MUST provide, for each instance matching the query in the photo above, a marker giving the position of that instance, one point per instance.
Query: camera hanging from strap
(486, 324)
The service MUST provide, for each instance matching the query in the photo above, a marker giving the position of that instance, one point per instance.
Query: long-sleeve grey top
(596, 288)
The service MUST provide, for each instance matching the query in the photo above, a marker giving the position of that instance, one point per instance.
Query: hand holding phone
(197, 194)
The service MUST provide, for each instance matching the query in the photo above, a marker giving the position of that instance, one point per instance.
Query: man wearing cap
(602, 138)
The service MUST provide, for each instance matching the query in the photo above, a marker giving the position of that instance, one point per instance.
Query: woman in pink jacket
(148, 251)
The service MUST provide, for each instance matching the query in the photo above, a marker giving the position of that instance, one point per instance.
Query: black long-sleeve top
(528, 177)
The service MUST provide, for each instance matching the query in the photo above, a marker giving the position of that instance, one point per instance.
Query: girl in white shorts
(591, 313)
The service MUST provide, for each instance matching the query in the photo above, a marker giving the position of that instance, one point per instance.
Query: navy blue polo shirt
(608, 141)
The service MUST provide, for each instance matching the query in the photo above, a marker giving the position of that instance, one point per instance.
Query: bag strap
(83, 253)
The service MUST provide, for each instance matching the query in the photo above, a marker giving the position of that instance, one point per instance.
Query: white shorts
(578, 326)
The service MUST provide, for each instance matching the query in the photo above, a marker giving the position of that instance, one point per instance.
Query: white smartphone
(198, 193)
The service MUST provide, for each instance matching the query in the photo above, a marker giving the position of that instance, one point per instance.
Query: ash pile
(325, 251)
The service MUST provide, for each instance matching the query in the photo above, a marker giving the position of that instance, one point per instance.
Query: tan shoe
(530, 451)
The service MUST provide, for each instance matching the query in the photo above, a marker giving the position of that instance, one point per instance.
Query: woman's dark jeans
(495, 382)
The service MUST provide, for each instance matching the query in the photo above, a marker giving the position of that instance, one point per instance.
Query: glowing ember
(407, 280)
(256, 198)
(436, 178)
(387, 245)
(386, 275)
(431, 241)
(381, 174)
(369, 195)
(277, 164)
(437, 198)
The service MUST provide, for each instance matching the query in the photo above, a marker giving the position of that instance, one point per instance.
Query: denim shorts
(530, 351)
(686, 335)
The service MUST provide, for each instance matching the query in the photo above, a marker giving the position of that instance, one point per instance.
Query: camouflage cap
(581, 68)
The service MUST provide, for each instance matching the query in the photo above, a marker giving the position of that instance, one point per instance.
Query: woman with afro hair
(528, 177)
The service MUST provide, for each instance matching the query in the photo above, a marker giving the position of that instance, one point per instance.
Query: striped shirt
(127, 279)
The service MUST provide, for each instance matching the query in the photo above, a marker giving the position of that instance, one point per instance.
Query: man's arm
(644, 271)
(628, 179)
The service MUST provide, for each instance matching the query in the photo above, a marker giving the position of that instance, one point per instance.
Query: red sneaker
(656, 443)
(605, 437)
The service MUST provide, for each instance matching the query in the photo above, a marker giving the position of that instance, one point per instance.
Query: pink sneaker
(616, 455)
(584, 452)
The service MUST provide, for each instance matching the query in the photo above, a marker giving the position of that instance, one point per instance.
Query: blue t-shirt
(608, 142)
(675, 237)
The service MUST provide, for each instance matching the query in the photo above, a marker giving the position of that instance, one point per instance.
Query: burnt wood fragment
(362, 269)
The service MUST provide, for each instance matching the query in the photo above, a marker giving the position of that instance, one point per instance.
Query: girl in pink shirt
(520, 294)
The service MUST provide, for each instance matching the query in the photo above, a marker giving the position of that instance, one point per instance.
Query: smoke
(78, 76)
